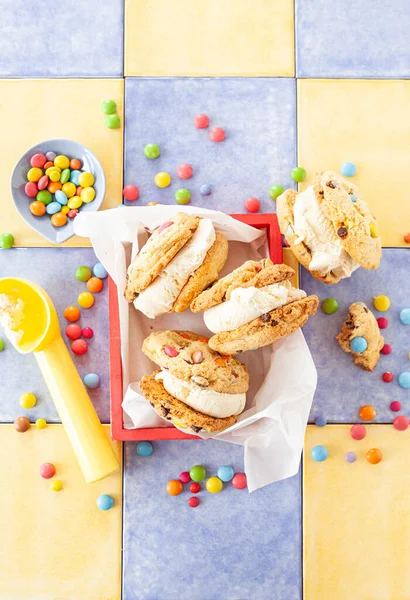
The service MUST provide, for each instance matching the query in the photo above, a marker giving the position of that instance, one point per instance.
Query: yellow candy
(86, 300)
(54, 175)
(381, 303)
(87, 194)
(51, 169)
(214, 485)
(28, 400)
(41, 423)
(69, 189)
(74, 202)
(62, 162)
(65, 210)
(56, 486)
(34, 174)
(374, 230)
(152, 203)
(162, 180)
(86, 179)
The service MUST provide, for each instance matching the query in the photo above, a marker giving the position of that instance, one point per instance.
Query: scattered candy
(329, 306)
(99, 271)
(406, 238)
(28, 400)
(59, 219)
(152, 151)
(72, 313)
(350, 457)
(184, 477)
(183, 196)
(319, 453)
(194, 488)
(374, 230)
(162, 180)
(226, 473)
(381, 303)
(239, 481)
(130, 192)
(1, 345)
(217, 134)
(205, 189)
(83, 273)
(72, 213)
(214, 485)
(401, 423)
(152, 204)
(6, 241)
(21, 424)
(320, 421)
(47, 470)
(87, 332)
(197, 473)
(105, 502)
(79, 347)
(386, 349)
(404, 379)
(358, 344)
(174, 487)
(91, 381)
(38, 209)
(348, 169)
(374, 456)
(382, 322)
(405, 316)
(352, 197)
(358, 431)
(95, 285)
(112, 121)
(41, 423)
(387, 377)
(252, 205)
(193, 502)
(144, 449)
(201, 121)
(75, 164)
(395, 406)
(275, 191)
(108, 107)
(56, 486)
(298, 174)
(367, 413)
(86, 300)
(184, 171)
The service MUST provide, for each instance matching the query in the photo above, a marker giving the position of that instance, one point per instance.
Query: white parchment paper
(282, 376)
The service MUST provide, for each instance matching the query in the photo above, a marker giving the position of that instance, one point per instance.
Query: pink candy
(358, 431)
(185, 477)
(87, 332)
(170, 351)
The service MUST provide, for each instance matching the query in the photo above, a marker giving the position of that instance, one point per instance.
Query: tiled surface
(234, 546)
(342, 387)
(364, 122)
(47, 109)
(258, 151)
(356, 527)
(339, 39)
(44, 39)
(247, 38)
(55, 545)
(54, 270)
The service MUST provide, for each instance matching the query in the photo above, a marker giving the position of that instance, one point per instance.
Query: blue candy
(404, 379)
(61, 197)
(348, 169)
(320, 421)
(358, 344)
(99, 271)
(74, 177)
(144, 448)
(105, 502)
(53, 208)
(205, 189)
(91, 380)
(226, 473)
(405, 316)
(319, 453)
(353, 197)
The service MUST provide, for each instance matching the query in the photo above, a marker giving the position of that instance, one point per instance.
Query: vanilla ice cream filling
(315, 230)
(246, 304)
(204, 400)
(159, 297)
(11, 316)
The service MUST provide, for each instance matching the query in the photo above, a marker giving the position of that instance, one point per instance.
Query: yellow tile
(55, 545)
(216, 37)
(290, 260)
(356, 525)
(364, 122)
(37, 110)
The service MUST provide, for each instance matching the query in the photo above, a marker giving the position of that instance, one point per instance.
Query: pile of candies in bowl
(53, 182)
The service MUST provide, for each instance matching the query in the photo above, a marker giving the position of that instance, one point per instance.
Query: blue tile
(54, 270)
(233, 546)
(64, 39)
(342, 387)
(259, 150)
(339, 39)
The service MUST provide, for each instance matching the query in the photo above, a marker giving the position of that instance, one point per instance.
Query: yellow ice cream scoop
(27, 311)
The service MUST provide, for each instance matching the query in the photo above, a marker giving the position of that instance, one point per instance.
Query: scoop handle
(92, 448)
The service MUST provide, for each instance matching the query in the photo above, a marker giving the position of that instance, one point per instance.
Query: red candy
(47, 470)
(130, 192)
(217, 134)
(382, 322)
(358, 431)
(72, 213)
(386, 349)
(185, 477)
(239, 481)
(42, 182)
(79, 347)
(38, 160)
(184, 171)
(387, 377)
(401, 423)
(252, 205)
(31, 189)
(395, 406)
(193, 502)
(87, 332)
(194, 488)
(73, 332)
(201, 121)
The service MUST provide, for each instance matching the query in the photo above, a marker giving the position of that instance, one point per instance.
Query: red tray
(118, 432)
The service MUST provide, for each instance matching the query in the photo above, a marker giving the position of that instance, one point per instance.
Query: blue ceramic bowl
(22, 202)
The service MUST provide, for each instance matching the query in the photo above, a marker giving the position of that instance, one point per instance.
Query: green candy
(182, 196)
(45, 197)
(275, 191)
(6, 241)
(113, 121)
(298, 174)
(65, 176)
(330, 306)
(152, 151)
(1, 345)
(108, 107)
(83, 273)
(197, 473)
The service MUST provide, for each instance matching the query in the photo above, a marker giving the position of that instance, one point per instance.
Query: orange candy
(72, 313)
(406, 238)
(226, 357)
(59, 219)
(38, 209)
(75, 164)
(95, 284)
(220, 362)
(203, 339)
(174, 487)
(78, 190)
(367, 413)
(54, 186)
(48, 164)
(374, 456)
